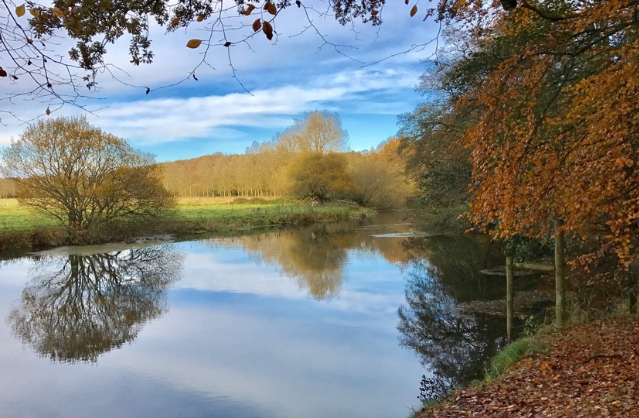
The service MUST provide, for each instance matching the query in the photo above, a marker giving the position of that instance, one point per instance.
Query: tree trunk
(560, 276)
(633, 306)
(510, 292)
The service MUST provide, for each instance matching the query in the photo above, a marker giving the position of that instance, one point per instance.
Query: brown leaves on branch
(268, 30)
(249, 9)
(270, 7)
(257, 25)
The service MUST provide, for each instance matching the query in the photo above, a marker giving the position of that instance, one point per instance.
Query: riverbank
(587, 370)
(22, 231)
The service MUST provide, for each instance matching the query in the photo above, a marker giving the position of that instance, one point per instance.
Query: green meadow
(22, 229)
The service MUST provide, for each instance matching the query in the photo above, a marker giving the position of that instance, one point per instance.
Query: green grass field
(14, 217)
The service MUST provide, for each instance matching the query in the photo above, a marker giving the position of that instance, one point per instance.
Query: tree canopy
(319, 176)
(82, 176)
(319, 131)
(544, 99)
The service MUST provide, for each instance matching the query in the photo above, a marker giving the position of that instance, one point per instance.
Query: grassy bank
(584, 370)
(22, 230)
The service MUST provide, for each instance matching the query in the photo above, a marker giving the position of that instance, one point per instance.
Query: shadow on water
(77, 307)
(456, 345)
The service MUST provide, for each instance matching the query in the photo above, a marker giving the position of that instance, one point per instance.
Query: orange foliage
(558, 133)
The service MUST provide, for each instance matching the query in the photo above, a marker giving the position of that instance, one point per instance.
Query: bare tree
(82, 176)
(318, 132)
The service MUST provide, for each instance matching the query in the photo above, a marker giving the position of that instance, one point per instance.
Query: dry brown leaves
(591, 371)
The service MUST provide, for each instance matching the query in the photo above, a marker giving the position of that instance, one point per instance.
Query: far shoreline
(188, 222)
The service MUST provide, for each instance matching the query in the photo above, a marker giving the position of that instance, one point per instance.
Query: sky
(369, 80)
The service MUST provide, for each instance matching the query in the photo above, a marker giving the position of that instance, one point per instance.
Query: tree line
(8, 188)
(308, 160)
(87, 179)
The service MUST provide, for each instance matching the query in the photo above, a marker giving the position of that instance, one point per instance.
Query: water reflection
(77, 307)
(315, 257)
(456, 345)
(241, 339)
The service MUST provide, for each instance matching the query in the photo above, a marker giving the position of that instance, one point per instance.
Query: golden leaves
(59, 13)
(200, 18)
(175, 21)
(413, 11)
(21, 10)
(35, 12)
(193, 43)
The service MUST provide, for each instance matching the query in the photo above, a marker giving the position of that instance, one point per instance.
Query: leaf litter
(590, 370)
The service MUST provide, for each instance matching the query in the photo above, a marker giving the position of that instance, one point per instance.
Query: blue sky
(293, 74)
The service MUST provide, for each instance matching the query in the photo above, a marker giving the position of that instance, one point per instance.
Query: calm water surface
(284, 324)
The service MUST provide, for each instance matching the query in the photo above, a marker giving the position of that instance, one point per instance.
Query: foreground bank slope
(589, 370)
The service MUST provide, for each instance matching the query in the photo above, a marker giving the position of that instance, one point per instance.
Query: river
(334, 320)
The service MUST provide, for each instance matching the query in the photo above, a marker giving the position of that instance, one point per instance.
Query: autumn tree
(84, 177)
(379, 177)
(319, 176)
(438, 161)
(556, 134)
(317, 131)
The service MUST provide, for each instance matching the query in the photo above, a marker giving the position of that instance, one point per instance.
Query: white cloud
(171, 119)
(294, 74)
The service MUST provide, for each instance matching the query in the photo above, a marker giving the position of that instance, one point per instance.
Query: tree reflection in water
(315, 256)
(78, 307)
(456, 346)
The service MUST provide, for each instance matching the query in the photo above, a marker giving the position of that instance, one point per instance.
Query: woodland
(309, 160)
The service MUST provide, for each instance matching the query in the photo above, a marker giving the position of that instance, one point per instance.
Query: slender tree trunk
(560, 276)
(510, 292)
(633, 306)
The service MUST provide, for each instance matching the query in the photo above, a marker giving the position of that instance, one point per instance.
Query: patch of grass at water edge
(510, 355)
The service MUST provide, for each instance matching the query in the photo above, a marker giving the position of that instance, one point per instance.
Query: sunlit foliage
(319, 176)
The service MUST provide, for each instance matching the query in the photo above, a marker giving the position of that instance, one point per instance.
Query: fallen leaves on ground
(590, 371)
